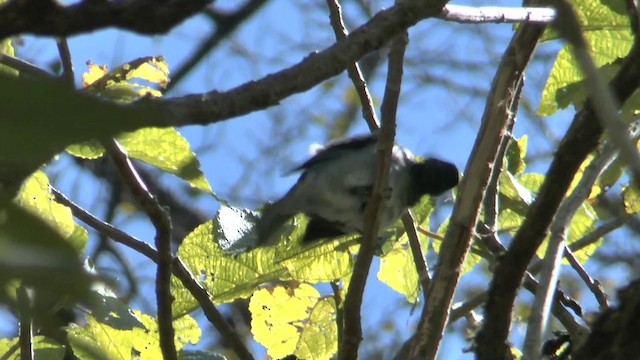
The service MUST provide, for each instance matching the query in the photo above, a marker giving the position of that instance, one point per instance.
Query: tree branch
(422, 268)
(25, 67)
(368, 111)
(225, 25)
(615, 333)
(556, 250)
(494, 14)
(581, 138)
(26, 323)
(51, 18)
(471, 190)
(203, 109)
(201, 294)
(162, 224)
(353, 300)
(604, 102)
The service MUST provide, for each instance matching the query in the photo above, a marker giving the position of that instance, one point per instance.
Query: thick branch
(215, 106)
(615, 333)
(494, 14)
(471, 190)
(581, 138)
(51, 18)
(353, 300)
(225, 24)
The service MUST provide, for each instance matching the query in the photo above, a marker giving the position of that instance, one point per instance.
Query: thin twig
(593, 285)
(368, 111)
(494, 14)
(25, 67)
(459, 311)
(418, 258)
(225, 24)
(337, 298)
(201, 294)
(67, 65)
(26, 324)
(556, 249)
(353, 300)
(162, 223)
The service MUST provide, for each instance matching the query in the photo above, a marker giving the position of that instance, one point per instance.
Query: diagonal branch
(471, 190)
(202, 109)
(51, 18)
(368, 111)
(581, 139)
(225, 25)
(495, 14)
(353, 301)
(179, 270)
(162, 223)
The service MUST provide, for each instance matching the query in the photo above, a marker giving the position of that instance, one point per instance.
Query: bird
(336, 184)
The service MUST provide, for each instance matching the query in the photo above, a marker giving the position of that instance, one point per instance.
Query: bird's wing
(319, 228)
(336, 149)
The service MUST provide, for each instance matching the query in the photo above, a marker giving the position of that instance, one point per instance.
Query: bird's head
(432, 177)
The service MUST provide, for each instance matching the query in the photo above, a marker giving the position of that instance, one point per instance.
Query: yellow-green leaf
(472, 258)
(631, 197)
(43, 349)
(26, 140)
(93, 73)
(228, 276)
(6, 48)
(516, 152)
(167, 150)
(96, 340)
(398, 270)
(154, 71)
(86, 150)
(564, 85)
(36, 198)
(294, 321)
(33, 252)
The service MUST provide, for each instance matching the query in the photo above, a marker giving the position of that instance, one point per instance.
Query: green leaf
(90, 149)
(155, 71)
(472, 259)
(514, 190)
(40, 118)
(167, 150)
(38, 256)
(35, 197)
(516, 152)
(582, 224)
(163, 148)
(6, 48)
(199, 355)
(43, 349)
(229, 276)
(596, 15)
(565, 83)
(607, 30)
(97, 340)
(631, 197)
(294, 321)
(609, 177)
(398, 270)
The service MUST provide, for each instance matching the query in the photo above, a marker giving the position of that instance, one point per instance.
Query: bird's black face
(433, 177)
